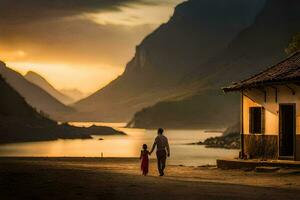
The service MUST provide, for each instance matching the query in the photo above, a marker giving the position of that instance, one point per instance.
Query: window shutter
(256, 120)
(251, 114)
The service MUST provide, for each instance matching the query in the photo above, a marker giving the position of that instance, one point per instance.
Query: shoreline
(228, 141)
(66, 132)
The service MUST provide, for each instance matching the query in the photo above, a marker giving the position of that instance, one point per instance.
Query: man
(162, 150)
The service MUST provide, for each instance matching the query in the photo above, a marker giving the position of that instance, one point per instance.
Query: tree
(294, 45)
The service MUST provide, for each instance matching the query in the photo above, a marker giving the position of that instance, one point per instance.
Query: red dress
(145, 162)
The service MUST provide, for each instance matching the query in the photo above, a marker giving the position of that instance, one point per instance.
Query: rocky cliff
(161, 67)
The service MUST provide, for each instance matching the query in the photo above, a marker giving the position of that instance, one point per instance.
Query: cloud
(136, 14)
(24, 11)
(75, 41)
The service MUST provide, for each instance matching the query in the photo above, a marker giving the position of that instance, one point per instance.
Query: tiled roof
(287, 71)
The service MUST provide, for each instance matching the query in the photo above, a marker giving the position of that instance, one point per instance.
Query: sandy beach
(119, 178)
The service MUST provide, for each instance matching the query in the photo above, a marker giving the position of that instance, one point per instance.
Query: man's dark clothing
(161, 160)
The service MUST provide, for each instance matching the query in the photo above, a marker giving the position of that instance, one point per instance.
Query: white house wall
(256, 97)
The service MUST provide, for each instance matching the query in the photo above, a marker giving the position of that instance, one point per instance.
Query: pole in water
(101, 154)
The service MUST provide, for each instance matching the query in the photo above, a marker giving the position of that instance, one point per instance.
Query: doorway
(287, 130)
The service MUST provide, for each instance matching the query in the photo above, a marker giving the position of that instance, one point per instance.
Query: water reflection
(125, 146)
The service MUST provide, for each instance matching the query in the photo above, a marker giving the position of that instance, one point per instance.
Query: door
(287, 122)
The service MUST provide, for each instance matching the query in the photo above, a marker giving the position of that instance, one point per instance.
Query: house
(270, 111)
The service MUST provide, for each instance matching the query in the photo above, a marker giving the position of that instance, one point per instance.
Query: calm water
(126, 146)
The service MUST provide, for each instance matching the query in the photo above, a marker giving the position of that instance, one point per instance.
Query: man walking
(162, 150)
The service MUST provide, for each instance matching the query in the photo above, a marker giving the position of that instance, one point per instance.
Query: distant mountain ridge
(40, 81)
(75, 94)
(34, 95)
(163, 62)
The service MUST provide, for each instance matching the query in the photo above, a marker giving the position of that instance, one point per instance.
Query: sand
(119, 178)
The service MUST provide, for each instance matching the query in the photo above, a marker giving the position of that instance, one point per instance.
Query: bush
(294, 45)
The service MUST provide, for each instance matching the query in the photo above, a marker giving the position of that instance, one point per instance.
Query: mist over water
(126, 146)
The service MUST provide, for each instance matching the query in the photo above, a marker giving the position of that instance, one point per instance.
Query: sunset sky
(80, 44)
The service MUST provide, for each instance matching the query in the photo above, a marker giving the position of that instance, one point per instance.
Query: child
(145, 160)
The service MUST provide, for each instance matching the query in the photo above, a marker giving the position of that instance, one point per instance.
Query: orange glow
(85, 51)
(65, 76)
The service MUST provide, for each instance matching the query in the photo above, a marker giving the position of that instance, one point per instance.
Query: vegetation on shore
(229, 140)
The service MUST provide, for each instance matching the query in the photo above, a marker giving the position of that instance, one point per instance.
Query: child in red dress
(145, 160)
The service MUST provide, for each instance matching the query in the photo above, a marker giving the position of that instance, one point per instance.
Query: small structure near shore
(270, 112)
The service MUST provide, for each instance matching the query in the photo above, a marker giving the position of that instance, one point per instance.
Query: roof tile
(287, 70)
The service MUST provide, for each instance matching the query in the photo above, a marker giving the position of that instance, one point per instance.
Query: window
(256, 120)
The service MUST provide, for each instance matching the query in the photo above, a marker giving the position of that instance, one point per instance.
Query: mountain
(208, 109)
(160, 69)
(34, 95)
(20, 122)
(258, 46)
(45, 85)
(75, 94)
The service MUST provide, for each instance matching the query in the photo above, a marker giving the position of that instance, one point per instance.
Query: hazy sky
(80, 44)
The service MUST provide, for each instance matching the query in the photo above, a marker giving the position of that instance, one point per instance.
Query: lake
(126, 146)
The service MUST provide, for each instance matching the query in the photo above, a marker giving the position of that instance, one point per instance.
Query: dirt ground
(119, 178)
